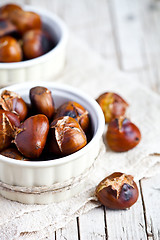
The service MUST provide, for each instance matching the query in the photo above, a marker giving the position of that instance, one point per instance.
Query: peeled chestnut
(31, 136)
(12, 102)
(6, 27)
(35, 43)
(24, 20)
(65, 136)
(112, 105)
(42, 101)
(122, 135)
(8, 8)
(13, 153)
(10, 50)
(117, 191)
(6, 131)
(76, 111)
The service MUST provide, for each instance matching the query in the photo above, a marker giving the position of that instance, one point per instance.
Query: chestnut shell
(126, 195)
(122, 135)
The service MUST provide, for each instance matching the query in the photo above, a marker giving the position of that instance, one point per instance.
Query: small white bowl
(46, 66)
(46, 173)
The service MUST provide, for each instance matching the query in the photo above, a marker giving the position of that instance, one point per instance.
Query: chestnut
(8, 8)
(6, 131)
(112, 105)
(35, 43)
(42, 101)
(13, 118)
(122, 135)
(24, 20)
(117, 191)
(6, 27)
(65, 136)
(10, 50)
(76, 111)
(13, 153)
(12, 102)
(31, 136)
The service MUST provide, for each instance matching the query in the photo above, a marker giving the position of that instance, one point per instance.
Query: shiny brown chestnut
(11, 101)
(6, 9)
(6, 131)
(42, 101)
(13, 153)
(10, 50)
(35, 43)
(117, 191)
(122, 135)
(76, 111)
(112, 105)
(7, 28)
(31, 136)
(24, 20)
(13, 118)
(65, 136)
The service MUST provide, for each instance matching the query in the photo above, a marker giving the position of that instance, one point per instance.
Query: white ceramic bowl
(43, 67)
(63, 170)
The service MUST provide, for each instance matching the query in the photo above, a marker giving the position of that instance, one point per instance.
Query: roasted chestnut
(42, 101)
(117, 191)
(11, 101)
(24, 20)
(65, 136)
(112, 105)
(6, 27)
(13, 153)
(10, 50)
(122, 135)
(7, 9)
(76, 111)
(13, 118)
(35, 43)
(31, 136)
(6, 131)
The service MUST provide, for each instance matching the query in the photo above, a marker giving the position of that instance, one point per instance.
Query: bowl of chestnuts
(49, 139)
(32, 44)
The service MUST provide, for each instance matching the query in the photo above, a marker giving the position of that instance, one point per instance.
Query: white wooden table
(126, 33)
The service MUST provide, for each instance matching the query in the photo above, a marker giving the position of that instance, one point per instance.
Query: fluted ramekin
(41, 174)
(46, 66)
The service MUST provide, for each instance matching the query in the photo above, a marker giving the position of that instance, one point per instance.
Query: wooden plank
(150, 18)
(128, 33)
(92, 225)
(89, 21)
(151, 196)
(126, 224)
(70, 232)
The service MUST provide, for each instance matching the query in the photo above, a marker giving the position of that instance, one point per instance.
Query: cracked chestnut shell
(13, 118)
(65, 136)
(11, 101)
(31, 136)
(35, 43)
(117, 191)
(6, 130)
(76, 111)
(42, 101)
(112, 105)
(122, 135)
(10, 50)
